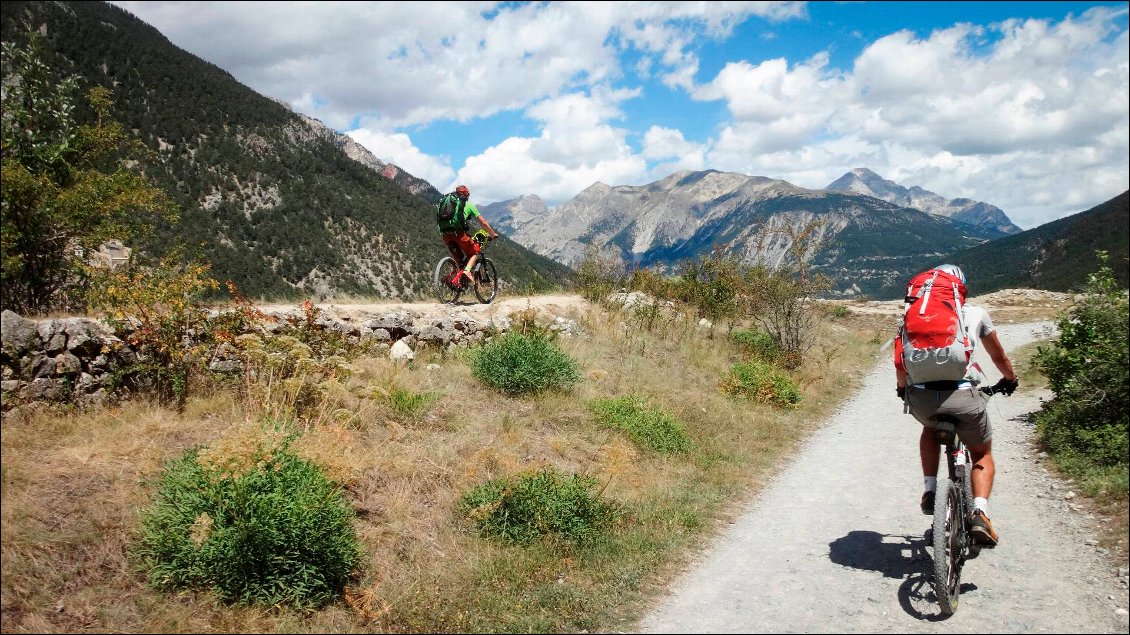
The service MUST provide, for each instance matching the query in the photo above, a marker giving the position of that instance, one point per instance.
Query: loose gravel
(836, 544)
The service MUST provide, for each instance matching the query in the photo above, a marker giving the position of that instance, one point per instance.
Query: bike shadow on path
(900, 557)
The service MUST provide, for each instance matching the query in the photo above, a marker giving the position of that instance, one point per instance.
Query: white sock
(931, 483)
(981, 505)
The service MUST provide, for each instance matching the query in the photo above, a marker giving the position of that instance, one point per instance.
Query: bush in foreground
(1087, 368)
(267, 527)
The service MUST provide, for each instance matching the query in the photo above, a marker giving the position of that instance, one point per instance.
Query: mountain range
(866, 243)
(864, 181)
(284, 206)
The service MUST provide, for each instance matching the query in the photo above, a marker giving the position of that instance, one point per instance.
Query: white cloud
(575, 149)
(672, 152)
(1029, 115)
(1035, 122)
(405, 63)
(435, 170)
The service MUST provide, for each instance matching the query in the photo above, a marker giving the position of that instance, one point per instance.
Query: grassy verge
(408, 441)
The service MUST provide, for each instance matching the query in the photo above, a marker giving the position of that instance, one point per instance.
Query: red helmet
(462, 192)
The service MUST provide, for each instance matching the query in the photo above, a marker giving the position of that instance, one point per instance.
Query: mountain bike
(484, 276)
(953, 514)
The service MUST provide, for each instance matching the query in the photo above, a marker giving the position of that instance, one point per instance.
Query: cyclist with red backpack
(453, 215)
(936, 374)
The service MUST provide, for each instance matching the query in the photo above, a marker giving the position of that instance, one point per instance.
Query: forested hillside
(1057, 256)
(274, 206)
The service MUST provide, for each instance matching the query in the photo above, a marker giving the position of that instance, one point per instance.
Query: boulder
(18, 335)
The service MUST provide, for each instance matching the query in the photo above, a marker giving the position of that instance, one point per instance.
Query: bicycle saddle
(945, 429)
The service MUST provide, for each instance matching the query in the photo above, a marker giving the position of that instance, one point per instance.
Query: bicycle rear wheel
(948, 546)
(486, 281)
(445, 290)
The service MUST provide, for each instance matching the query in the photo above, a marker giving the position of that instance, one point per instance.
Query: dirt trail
(561, 305)
(836, 543)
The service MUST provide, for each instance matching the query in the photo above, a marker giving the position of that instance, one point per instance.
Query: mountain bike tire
(947, 545)
(974, 549)
(486, 281)
(441, 282)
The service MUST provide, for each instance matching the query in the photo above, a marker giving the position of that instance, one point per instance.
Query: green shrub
(762, 383)
(520, 364)
(599, 275)
(654, 283)
(758, 344)
(1088, 370)
(646, 426)
(715, 284)
(274, 532)
(540, 505)
(408, 404)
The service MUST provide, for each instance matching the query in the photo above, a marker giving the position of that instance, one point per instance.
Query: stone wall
(76, 360)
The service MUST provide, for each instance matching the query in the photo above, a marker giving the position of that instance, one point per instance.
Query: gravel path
(836, 543)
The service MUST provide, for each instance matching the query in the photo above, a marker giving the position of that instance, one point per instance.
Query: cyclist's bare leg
(983, 469)
(929, 451)
(471, 262)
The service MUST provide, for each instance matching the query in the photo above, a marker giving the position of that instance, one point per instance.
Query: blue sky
(1020, 104)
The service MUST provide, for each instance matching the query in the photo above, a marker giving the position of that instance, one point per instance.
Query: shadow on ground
(900, 557)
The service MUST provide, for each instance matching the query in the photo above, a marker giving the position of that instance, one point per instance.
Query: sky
(1023, 105)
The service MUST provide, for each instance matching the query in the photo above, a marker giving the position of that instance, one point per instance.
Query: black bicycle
(484, 276)
(953, 514)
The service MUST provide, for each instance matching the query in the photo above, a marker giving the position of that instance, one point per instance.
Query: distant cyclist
(454, 214)
(957, 397)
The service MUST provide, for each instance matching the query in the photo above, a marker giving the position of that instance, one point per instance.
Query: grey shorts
(964, 404)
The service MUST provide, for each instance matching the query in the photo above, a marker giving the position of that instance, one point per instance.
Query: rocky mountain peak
(864, 181)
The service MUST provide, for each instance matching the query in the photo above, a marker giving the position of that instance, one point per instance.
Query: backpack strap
(926, 289)
(966, 340)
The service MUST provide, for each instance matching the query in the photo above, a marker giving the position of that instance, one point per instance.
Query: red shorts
(461, 246)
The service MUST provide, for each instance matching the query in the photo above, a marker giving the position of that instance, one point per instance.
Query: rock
(46, 389)
(226, 366)
(67, 364)
(401, 351)
(18, 335)
(84, 337)
(52, 335)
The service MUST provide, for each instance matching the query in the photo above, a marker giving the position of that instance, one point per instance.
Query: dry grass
(75, 483)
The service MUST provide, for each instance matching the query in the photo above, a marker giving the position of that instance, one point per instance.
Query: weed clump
(758, 344)
(763, 383)
(647, 426)
(545, 504)
(263, 526)
(518, 364)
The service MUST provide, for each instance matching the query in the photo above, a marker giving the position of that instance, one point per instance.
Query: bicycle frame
(483, 273)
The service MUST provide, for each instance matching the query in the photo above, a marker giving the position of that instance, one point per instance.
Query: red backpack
(932, 344)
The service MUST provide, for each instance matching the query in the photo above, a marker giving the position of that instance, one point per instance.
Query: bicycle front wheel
(486, 281)
(445, 290)
(948, 539)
